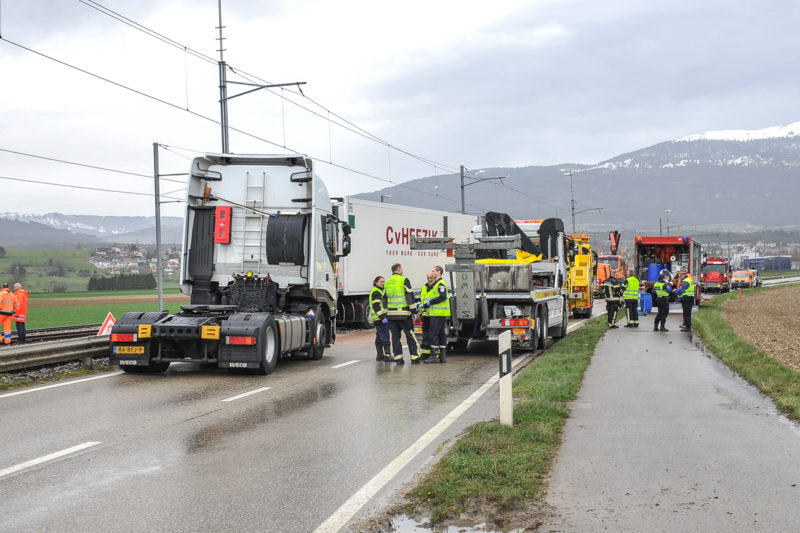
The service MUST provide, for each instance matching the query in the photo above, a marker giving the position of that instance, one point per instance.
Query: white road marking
(244, 394)
(348, 363)
(349, 508)
(44, 459)
(62, 384)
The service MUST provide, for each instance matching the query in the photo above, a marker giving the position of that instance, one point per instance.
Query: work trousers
(632, 311)
(438, 332)
(381, 333)
(425, 345)
(687, 302)
(404, 325)
(612, 306)
(20, 332)
(7, 329)
(663, 311)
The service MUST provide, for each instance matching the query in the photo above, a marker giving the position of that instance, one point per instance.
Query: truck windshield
(715, 268)
(611, 261)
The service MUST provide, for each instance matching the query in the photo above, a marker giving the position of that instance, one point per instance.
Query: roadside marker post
(506, 379)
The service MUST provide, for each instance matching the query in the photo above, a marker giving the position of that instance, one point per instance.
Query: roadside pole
(506, 379)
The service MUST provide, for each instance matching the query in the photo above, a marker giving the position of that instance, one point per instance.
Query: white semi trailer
(383, 232)
(261, 240)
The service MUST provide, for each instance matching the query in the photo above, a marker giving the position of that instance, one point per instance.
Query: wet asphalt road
(169, 453)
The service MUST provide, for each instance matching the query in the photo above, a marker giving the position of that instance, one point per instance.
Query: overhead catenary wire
(72, 186)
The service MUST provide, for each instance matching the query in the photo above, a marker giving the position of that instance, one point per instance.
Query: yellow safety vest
(632, 290)
(395, 290)
(373, 316)
(441, 308)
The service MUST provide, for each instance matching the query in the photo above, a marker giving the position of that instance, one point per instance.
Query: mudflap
(235, 353)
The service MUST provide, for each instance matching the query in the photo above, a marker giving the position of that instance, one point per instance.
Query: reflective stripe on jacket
(632, 289)
(425, 296)
(22, 312)
(8, 302)
(440, 308)
(376, 300)
(396, 296)
(659, 288)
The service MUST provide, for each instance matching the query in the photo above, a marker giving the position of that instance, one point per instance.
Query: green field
(50, 271)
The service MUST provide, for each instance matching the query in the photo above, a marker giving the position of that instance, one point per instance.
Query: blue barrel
(645, 303)
(652, 271)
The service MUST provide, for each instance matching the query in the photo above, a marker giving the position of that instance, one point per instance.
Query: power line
(69, 186)
(85, 165)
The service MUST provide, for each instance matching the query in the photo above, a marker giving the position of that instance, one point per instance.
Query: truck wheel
(561, 332)
(321, 337)
(269, 351)
(542, 339)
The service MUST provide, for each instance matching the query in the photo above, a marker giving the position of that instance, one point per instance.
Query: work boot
(628, 325)
(655, 327)
(636, 325)
(443, 354)
(613, 326)
(664, 329)
(398, 359)
(379, 352)
(434, 358)
(414, 360)
(387, 353)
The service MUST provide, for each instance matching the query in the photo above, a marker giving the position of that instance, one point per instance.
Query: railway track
(53, 346)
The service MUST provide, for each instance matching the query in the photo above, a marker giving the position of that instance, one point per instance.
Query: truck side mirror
(346, 243)
(346, 229)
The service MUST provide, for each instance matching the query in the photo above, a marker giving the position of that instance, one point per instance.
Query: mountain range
(734, 180)
(719, 181)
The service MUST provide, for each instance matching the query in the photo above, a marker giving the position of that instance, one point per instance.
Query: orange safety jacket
(22, 313)
(8, 302)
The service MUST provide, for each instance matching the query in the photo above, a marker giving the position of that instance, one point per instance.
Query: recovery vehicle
(582, 270)
(260, 242)
(525, 294)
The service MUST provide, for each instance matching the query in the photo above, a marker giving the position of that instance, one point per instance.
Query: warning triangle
(108, 323)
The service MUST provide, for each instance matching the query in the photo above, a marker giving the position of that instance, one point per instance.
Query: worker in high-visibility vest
(631, 298)
(377, 315)
(9, 305)
(21, 315)
(400, 307)
(439, 310)
(425, 294)
(661, 290)
(686, 294)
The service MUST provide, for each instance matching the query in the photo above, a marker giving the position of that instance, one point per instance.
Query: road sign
(108, 323)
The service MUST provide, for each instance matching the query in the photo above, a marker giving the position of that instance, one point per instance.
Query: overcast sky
(483, 84)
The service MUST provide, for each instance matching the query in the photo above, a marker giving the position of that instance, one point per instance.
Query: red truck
(653, 254)
(716, 275)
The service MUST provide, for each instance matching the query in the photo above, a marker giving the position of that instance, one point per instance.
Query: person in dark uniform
(400, 305)
(661, 290)
(377, 315)
(612, 292)
(439, 310)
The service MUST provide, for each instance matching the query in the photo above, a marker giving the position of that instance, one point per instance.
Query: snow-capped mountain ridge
(789, 130)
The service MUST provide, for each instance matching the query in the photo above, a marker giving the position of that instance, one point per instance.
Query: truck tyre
(269, 350)
(561, 332)
(542, 339)
(321, 338)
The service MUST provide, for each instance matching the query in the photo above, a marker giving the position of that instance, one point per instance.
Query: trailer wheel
(269, 352)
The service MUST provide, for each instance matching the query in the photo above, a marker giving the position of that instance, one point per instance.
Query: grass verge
(9, 382)
(780, 383)
(508, 466)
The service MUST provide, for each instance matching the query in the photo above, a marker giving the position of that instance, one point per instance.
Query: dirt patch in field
(97, 300)
(767, 320)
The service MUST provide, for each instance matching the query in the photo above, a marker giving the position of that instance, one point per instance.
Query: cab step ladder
(253, 231)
